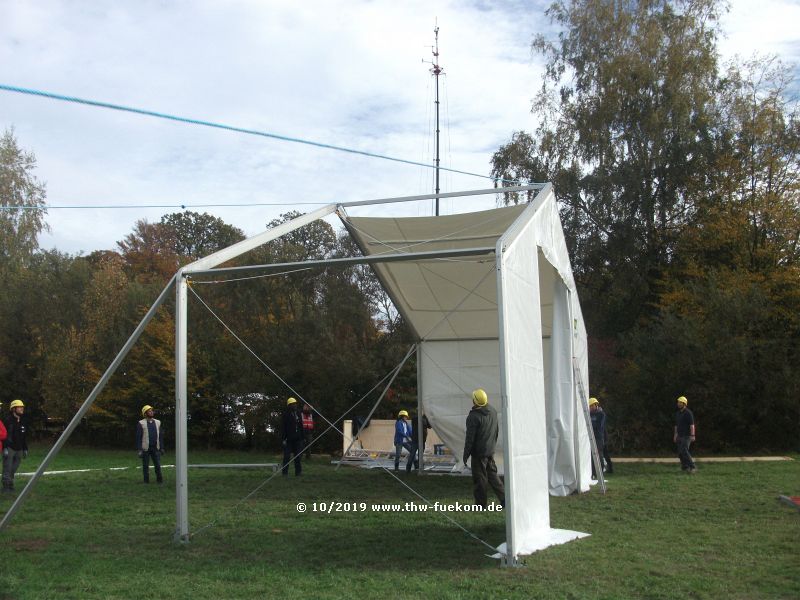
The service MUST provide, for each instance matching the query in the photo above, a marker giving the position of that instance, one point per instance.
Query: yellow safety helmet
(593, 401)
(145, 408)
(291, 401)
(683, 400)
(16, 403)
(479, 398)
(402, 413)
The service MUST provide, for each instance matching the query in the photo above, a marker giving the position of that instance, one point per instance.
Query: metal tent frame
(210, 265)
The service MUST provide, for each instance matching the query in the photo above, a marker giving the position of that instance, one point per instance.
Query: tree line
(329, 332)
(677, 181)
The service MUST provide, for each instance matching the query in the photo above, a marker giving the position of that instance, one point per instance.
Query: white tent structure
(509, 322)
(491, 301)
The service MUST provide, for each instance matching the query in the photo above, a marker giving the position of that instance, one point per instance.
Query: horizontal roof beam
(231, 252)
(517, 188)
(354, 260)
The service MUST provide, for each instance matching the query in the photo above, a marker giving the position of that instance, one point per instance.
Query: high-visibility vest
(146, 434)
(308, 420)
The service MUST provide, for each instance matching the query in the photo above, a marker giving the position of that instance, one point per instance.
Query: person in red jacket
(3, 433)
(308, 429)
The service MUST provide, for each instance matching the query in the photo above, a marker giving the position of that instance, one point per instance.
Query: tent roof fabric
(440, 299)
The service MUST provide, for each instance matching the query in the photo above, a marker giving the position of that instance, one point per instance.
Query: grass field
(657, 534)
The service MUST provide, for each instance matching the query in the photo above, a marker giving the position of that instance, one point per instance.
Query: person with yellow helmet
(598, 416)
(292, 437)
(16, 445)
(683, 434)
(150, 443)
(481, 438)
(402, 437)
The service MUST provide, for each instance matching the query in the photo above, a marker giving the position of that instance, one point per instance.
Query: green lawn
(657, 534)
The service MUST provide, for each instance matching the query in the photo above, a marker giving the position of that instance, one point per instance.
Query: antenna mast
(436, 70)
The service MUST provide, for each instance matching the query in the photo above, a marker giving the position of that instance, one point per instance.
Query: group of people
(683, 435)
(482, 430)
(406, 436)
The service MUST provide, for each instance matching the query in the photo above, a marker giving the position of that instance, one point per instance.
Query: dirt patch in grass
(30, 545)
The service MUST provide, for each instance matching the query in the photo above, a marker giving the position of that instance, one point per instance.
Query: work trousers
(156, 456)
(398, 450)
(484, 474)
(413, 458)
(687, 462)
(606, 459)
(292, 447)
(10, 466)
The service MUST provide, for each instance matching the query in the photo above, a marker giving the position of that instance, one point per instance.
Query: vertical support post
(420, 424)
(510, 559)
(181, 450)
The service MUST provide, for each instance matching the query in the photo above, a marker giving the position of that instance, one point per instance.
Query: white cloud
(343, 72)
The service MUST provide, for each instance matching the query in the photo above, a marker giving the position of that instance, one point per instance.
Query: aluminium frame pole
(73, 424)
(420, 424)
(510, 559)
(575, 398)
(181, 445)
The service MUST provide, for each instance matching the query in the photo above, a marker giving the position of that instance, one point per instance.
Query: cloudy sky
(341, 72)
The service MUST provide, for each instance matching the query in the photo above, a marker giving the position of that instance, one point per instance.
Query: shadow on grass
(417, 546)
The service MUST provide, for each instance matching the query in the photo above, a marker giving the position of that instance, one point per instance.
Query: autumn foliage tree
(678, 187)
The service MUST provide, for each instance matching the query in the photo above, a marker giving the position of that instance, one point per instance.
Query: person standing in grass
(16, 445)
(292, 437)
(598, 417)
(684, 434)
(402, 437)
(150, 443)
(482, 431)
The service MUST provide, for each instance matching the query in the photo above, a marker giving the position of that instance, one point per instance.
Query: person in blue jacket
(684, 434)
(402, 437)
